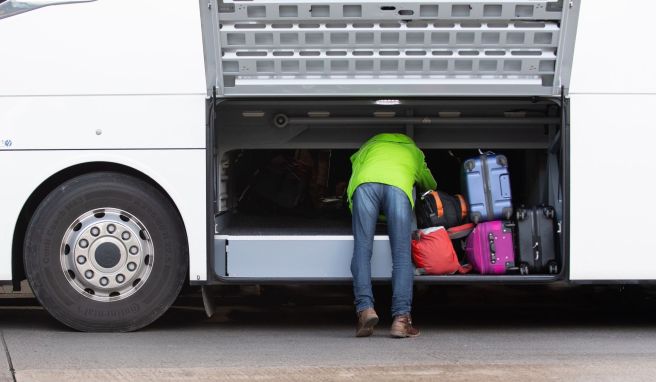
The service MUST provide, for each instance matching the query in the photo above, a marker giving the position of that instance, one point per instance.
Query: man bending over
(385, 169)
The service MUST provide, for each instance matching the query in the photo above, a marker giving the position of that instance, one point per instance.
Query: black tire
(44, 259)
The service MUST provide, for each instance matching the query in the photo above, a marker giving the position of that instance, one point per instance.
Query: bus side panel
(111, 122)
(181, 173)
(104, 47)
(613, 101)
(612, 53)
(613, 164)
(104, 81)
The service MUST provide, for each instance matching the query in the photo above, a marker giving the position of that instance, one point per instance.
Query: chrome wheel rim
(107, 254)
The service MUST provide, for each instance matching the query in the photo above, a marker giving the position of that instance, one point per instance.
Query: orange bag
(433, 253)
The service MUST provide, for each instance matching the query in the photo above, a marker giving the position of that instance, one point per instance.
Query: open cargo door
(410, 48)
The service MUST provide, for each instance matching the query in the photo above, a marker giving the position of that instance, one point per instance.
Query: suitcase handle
(493, 250)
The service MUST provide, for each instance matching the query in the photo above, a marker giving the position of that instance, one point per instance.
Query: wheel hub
(107, 254)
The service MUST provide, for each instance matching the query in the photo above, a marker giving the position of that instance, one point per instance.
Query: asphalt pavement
(491, 333)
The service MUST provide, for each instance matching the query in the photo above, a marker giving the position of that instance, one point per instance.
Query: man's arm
(425, 180)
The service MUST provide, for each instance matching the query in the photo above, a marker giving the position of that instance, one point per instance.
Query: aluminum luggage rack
(268, 48)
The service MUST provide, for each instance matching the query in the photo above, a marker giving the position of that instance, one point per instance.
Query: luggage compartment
(309, 239)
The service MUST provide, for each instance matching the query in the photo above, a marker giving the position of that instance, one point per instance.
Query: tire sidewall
(95, 191)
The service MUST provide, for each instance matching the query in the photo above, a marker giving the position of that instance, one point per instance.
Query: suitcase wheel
(502, 161)
(553, 267)
(475, 217)
(469, 165)
(549, 212)
(523, 269)
(521, 214)
(508, 213)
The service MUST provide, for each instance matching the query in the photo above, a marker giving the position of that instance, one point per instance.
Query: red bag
(433, 253)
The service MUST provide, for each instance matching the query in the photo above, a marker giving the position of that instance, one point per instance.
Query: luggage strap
(461, 231)
(463, 207)
(438, 203)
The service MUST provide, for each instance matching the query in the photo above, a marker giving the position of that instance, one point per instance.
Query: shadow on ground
(470, 307)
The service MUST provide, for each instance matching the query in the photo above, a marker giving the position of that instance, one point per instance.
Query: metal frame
(250, 256)
(368, 48)
(566, 51)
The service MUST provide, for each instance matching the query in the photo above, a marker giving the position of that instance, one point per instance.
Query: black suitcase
(536, 240)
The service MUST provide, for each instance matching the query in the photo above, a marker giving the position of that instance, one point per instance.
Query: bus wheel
(106, 252)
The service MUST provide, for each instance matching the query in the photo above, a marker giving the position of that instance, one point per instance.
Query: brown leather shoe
(402, 327)
(367, 319)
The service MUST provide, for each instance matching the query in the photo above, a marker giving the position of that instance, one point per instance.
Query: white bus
(130, 132)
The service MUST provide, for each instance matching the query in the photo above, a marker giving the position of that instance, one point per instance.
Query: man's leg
(366, 202)
(398, 211)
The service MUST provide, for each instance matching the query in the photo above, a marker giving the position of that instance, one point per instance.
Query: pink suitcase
(490, 249)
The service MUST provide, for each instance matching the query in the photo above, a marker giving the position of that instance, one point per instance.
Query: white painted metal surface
(180, 172)
(97, 122)
(104, 47)
(613, 98)
(612, 187)
(613, 53)
(94, 79)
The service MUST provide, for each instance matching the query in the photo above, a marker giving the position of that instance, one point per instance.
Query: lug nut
(88, 274)
(134, 250)
(111, 228)
(81, 260)
(120, 278)
(84, 243)
(95, 231)
(132, 266)
(104, 281)
(125, 235)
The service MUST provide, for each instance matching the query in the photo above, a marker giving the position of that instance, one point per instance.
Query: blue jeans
(369, 200)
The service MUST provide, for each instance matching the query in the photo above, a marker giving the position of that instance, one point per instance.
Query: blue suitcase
(487, 184)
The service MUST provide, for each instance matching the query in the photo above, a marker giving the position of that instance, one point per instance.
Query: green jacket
(392, 159)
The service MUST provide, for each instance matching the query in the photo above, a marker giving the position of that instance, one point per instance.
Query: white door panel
(613, 167)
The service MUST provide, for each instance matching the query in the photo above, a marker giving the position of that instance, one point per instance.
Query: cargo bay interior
(282, 166)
